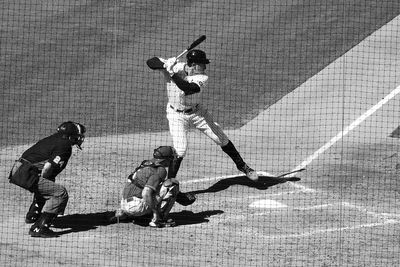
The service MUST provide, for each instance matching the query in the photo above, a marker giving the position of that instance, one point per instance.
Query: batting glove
(169, 65)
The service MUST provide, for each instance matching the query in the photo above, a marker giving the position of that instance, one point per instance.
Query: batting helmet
(73, 131)
(164, 152)
(196, 56)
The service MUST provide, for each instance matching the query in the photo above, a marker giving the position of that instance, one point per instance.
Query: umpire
(36, 171)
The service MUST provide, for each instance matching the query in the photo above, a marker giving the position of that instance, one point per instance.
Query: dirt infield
(73, 57)
(344, 210)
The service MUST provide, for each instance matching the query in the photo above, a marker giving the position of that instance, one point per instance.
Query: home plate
(267, 204)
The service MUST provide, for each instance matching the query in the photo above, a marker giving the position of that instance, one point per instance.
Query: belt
(185, 111)
(22, 160)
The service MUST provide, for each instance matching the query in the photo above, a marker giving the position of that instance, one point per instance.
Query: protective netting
(293, 83)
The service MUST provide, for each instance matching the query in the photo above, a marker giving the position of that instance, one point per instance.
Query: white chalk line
(217, 178)
(305, 163)
(280, 194)
(336, 229)
(209, 179)
(372, 213)
(348, 129)
(342, 203)
(388, 218)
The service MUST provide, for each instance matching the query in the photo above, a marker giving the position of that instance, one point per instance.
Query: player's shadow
(90, 221)
(184, 217)
(81, 222)
(263, 183)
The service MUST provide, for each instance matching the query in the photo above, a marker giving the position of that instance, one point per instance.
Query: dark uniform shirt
(53, 149)
(151, 176)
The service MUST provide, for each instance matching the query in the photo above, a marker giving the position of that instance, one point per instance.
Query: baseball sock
(232, 152)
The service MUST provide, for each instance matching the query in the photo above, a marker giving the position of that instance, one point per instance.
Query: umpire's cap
(164, 152)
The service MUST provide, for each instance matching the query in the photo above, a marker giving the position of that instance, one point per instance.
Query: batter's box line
(301, 188)
(283, 193)
(388, 219)
(382, 215)
(332, 230)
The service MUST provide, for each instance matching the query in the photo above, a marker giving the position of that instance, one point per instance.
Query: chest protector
(140, 182)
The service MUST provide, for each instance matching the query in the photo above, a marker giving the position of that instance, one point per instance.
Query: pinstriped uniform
(185, 112)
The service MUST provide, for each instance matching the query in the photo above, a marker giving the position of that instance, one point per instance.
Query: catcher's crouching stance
(148, 192)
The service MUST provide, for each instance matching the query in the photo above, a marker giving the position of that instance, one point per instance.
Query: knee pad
(171, 182)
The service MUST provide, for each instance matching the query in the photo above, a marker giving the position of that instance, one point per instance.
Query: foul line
(321, 150)
(348, 129)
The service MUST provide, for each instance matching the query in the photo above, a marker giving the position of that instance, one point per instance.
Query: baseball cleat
(162, 223)
(42, 232)
(250, 173)
(168, 223)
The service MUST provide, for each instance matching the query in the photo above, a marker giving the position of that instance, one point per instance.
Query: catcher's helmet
(164, 152)
(196, 56)
(73, 131)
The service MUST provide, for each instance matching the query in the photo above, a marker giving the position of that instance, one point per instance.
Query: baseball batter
(185, 84)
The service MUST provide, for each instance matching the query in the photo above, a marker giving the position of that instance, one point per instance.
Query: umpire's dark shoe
(42, 232)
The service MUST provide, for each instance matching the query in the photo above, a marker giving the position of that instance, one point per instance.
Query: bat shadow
(263, 183)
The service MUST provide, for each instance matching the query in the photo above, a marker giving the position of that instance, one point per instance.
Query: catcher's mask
(164, 153)
(73, 131)
(196, 56)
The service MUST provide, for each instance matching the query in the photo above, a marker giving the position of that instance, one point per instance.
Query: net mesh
(294, 85)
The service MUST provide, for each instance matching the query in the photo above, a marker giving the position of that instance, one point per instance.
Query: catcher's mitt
(185, 199)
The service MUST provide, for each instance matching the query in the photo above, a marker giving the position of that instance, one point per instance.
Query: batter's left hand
(169, 65)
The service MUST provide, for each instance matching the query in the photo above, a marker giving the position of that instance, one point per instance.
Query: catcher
(148, 192)
(36, 171)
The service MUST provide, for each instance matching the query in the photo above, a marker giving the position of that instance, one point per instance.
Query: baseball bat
(192, 45)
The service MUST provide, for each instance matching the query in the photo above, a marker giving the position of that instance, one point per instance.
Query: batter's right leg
(174, 167)
(204, 122)
(178, 127)
(232, 152)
